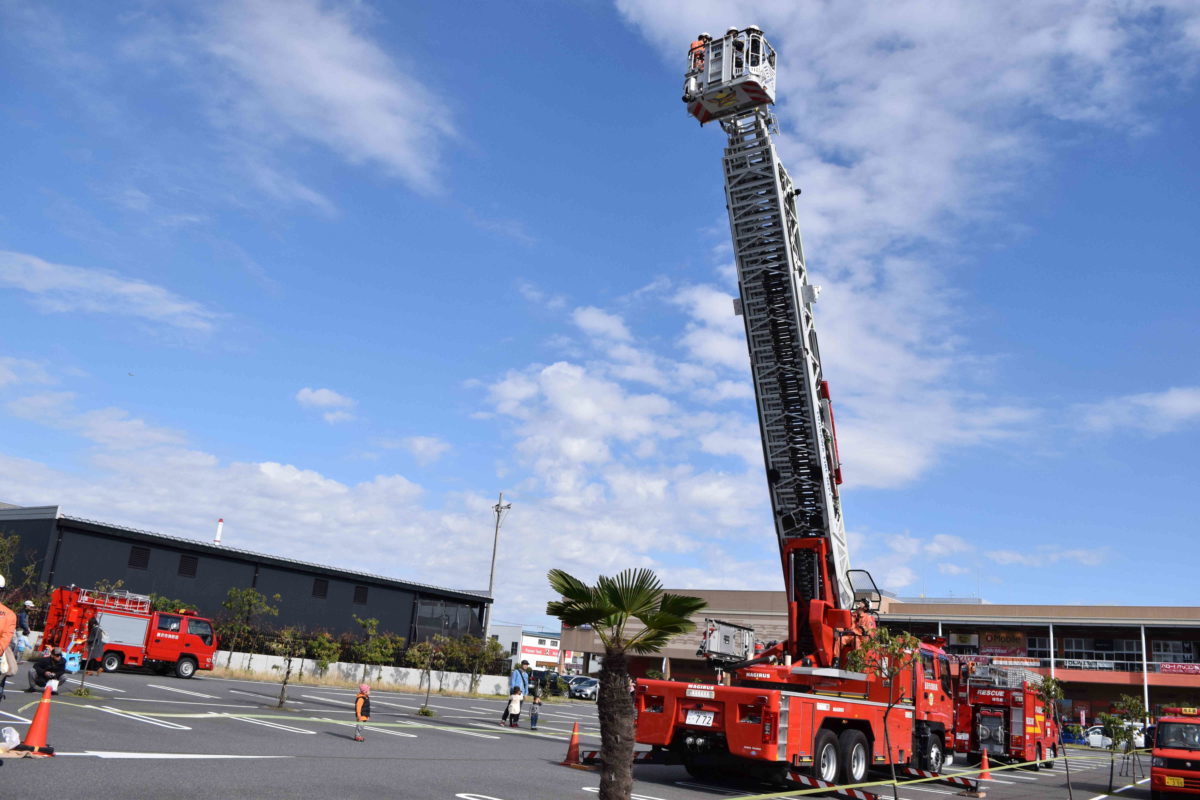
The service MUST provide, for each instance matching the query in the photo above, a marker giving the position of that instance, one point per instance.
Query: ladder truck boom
(795, 706)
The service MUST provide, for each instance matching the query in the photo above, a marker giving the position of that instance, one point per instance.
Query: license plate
(701, 718)
(1169, 780)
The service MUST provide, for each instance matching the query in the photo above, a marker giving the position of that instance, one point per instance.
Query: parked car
(574, 679)
(585, 689)
(1096, 737)
(1073, 734)
(548, 681)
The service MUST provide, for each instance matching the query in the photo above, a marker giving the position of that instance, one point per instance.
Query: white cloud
(60, 288)
(1046, 556)
(337, 406)
(112, 428)
(426, 449)
(908, 128)
(14, 371)
(1151, 412)
(310, 69)
(947, 568)
(596, 322)
(540, 297)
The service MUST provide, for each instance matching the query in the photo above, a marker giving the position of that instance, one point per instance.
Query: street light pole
(500, 509)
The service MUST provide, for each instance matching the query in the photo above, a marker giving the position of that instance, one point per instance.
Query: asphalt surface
(145, 736)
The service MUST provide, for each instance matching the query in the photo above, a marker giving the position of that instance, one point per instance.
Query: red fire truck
(1000, 711)
(1175, 754)
(794, 707)
(135, 635)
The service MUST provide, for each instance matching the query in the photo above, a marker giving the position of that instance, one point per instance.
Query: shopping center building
(1099, 652)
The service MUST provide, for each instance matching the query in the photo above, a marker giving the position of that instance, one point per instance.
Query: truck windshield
(1178, 735)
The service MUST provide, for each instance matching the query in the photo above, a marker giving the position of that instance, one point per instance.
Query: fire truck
(1175, 754)
(1000, 711)
(134, 634)
(793, 708)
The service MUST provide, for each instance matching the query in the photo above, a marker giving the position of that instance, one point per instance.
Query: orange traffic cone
(35, 738)
(984, 775)
(573, 748)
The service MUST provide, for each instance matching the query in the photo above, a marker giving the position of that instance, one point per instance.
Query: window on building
(495, 637)
(541, 641)
(320, 588)
(1038, 646)
(1178, 652)
(360, 595)
(139, 557)
(187, 565)
(512, 651)
(554, 642)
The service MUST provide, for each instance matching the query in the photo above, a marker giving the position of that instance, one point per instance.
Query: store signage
(1015, 661)
(1002, 643)
(964, 639)
(1180, 669)
(1082, 663)
(539, 651)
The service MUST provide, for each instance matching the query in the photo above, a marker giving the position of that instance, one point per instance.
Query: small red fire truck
(1000, 711)
(1175, 754)
(134, 634)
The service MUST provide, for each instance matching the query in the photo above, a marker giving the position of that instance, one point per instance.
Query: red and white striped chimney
(220, 524)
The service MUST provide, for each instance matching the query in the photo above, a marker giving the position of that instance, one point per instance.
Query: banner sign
(539, 651)
(1002, 643)
(1013, 661)
(963, 639)
(1180, 669)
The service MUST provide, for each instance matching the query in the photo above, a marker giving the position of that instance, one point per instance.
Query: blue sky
(341, 272)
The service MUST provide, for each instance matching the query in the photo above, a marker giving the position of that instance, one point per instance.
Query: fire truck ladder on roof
(776, 303)
(116, 601)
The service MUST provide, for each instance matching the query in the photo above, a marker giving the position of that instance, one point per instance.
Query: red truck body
(1010, 723)
(1175, 754)
(776, 717)
(136, 635)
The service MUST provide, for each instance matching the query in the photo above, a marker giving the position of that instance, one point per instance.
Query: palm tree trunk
(615, 708)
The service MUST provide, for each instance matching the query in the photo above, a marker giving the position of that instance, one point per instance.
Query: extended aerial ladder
(731, 81)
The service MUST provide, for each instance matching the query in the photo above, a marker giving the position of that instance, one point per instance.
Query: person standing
(96, 639)
(23, 617)
(519, 680)
(514, 707)
(535, 706)
(8, 627)
(362, 711)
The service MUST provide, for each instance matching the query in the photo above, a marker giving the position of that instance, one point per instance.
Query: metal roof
(221, 549)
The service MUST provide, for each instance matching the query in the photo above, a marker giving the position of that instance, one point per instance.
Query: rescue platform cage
(730, 75)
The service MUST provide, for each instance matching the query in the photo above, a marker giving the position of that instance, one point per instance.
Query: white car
(1096, 738)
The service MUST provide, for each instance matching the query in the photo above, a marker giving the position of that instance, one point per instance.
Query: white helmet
(1, 581)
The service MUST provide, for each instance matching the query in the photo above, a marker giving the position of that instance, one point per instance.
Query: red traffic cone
(573, 748)
(35, 737)
(984, 775)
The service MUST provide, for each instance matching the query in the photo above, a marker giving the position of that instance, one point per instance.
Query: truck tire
(1053, 755)
(111, 662)
(855, 754)
(185, 668)
(935, 756)
(825, 756)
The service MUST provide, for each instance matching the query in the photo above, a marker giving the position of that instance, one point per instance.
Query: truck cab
(1175, 754)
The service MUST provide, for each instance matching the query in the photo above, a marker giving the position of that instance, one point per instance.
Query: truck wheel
(111, 662)
(825, 756)
(1053, 755)
(935, 758)
(855, 756)
(185, 668)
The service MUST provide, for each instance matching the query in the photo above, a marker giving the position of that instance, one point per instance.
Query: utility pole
(501, 510)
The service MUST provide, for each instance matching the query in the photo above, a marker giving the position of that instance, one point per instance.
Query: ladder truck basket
(733, 74)
(726, 642)
(116, 601)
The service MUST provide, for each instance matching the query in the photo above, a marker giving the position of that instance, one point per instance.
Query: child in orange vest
(362, 711)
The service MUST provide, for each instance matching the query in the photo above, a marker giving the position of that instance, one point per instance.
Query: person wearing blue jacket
(518, 680)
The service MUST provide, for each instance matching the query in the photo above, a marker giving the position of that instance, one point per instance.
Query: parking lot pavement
(144, 735)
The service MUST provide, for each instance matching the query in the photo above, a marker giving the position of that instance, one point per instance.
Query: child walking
(513, 712)
(362, 711)
(534, 707)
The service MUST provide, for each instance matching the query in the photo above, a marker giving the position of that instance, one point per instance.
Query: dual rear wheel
(841, 759)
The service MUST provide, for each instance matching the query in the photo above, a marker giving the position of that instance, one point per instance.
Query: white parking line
(183, 702)
(165, 756)
(372, 728)
(182, 691)
(264, 723)
(256, 694)
(704, 787)
(96, 685)
(174, 726)
(14, 716)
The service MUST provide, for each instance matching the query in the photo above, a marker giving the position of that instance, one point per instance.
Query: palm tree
(608, 608)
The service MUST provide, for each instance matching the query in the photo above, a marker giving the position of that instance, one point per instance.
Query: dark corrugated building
(68, 550)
